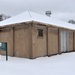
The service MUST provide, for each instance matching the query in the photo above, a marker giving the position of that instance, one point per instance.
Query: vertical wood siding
(52, 41)
(39, 43)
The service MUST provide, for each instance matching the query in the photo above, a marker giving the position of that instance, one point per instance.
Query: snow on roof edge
(31, 16)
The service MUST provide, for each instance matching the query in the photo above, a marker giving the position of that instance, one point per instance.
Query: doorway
(64, 41)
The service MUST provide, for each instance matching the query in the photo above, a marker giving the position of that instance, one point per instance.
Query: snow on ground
(63, 64)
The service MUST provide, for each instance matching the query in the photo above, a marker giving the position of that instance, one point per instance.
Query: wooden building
(31, 35)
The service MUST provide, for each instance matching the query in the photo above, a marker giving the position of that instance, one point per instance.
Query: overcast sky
(61, 9)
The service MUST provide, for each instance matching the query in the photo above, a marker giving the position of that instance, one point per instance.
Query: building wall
(39, 47)
(52, 41)
(18, 40)
(22, 41)
(70, 41)
(6, 36)
(74, 41)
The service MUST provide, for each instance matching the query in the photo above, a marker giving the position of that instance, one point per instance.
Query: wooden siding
(7, 36)
(22, 42)
(70, 41)
(52, 41)
(39, 43)
(74, 40)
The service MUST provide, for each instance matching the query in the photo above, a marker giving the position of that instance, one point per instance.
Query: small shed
(31, 35)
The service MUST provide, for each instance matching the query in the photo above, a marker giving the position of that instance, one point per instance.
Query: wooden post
(30, 34)
(73, 41)
(47, 39)
(12, 42)
(59, 46)
(6, 53)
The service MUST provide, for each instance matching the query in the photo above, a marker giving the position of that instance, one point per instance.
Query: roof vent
(48, 13)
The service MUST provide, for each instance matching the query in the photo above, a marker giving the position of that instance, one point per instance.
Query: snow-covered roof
(31, 16)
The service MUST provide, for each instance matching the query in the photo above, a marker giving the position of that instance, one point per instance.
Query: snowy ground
(63, 64)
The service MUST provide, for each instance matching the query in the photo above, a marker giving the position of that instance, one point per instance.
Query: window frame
(40, 33)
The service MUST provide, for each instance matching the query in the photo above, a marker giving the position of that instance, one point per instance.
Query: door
(64, 41)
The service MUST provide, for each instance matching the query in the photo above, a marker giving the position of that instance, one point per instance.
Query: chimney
(48, 13)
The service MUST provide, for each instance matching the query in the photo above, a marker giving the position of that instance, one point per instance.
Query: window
(40, 32)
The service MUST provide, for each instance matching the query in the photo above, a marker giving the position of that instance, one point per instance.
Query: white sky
(61, 9)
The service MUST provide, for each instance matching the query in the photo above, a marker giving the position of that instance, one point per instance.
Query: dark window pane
(40, 32)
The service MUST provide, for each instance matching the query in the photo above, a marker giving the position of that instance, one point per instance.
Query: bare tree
(71, 21)
(3, 17)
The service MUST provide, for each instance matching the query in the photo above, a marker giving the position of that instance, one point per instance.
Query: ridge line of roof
(30, 14)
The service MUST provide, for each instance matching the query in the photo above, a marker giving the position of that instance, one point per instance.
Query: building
(32, 35)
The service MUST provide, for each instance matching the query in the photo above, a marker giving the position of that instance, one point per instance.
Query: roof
(31, 16)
